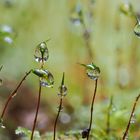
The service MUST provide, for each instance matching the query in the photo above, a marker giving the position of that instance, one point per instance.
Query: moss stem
(37, 109)
(131, 116)
(13, 94)
(91, 112)
(59, 110)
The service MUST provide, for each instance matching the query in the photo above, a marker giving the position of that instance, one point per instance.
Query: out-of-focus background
(107, 35)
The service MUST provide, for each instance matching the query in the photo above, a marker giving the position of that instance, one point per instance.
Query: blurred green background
(115, 50)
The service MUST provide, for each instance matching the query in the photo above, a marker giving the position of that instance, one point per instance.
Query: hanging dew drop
(93, 72)
(46, 78)
(137, 30)
(41, 53)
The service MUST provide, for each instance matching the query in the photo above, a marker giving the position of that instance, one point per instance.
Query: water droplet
(126, 138)
(133, 119)
(92, 71)
(6, 29)
(137, 29)
(46, 78)
(41, 52)
(113, 109)
(1, 124)
(63, 91)
(8, 39)
(76, 21)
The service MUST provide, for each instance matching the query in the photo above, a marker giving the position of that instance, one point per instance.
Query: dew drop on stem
(133, 119)
(63, 91)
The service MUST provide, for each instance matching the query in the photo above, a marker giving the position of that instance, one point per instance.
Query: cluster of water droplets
(93, 72)
(41, 56)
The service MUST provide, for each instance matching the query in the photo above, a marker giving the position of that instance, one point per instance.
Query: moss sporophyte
(93, 72)
(62, 93)
(45, 79)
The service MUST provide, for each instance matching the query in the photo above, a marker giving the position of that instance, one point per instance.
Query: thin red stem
(132, 114)
(13, 94)
(91, 112)
(59, 110)
(37, 109)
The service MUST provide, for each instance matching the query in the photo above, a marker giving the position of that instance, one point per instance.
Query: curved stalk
(13, 94)
(91, 112)
(59, 110)
(37, 109)
(131, 116)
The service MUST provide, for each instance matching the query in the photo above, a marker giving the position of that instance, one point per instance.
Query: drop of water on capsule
(47, 80)
(93, 73)
(62, 91)
(41, 53)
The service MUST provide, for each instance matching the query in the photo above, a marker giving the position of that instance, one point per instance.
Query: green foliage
(25, 133)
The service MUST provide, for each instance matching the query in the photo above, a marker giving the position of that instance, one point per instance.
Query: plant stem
(59, 110)
(37, 109)
(13, 94)
(108, 115)
(91, 115)
(132, 114)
